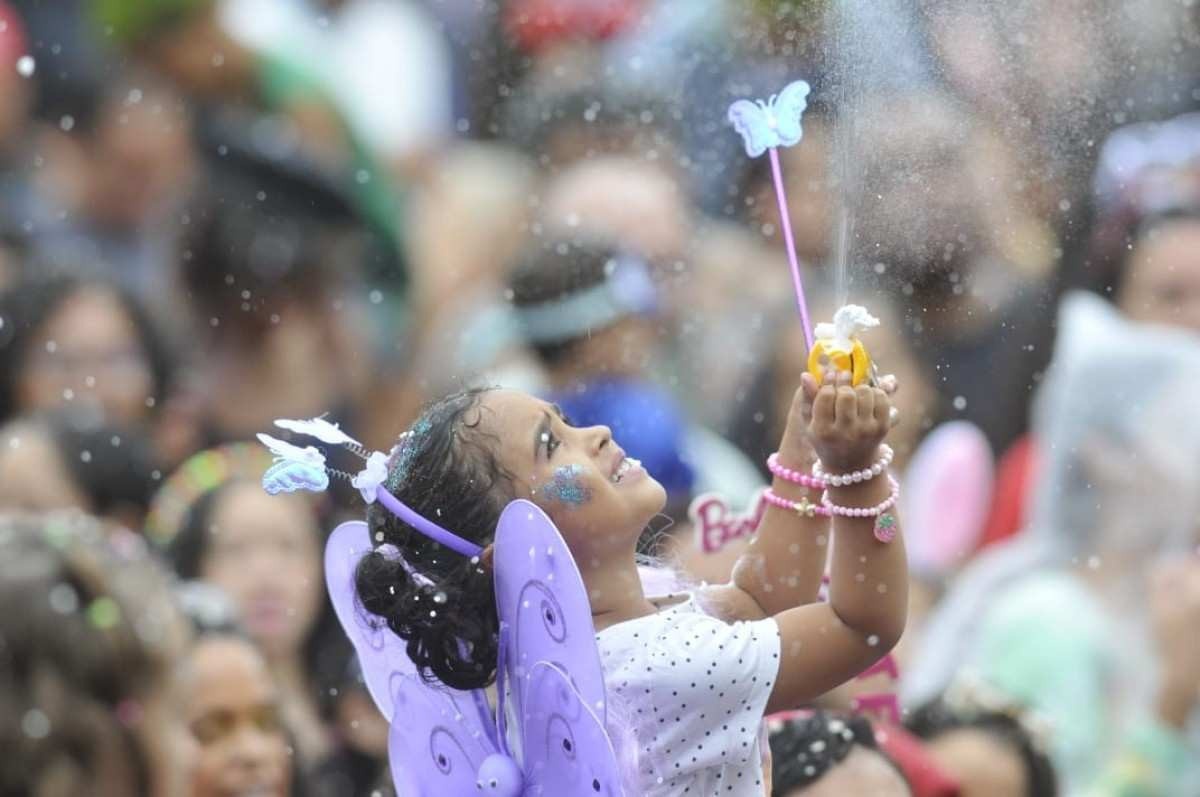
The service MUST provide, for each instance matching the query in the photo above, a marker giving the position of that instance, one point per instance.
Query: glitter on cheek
(568, 486)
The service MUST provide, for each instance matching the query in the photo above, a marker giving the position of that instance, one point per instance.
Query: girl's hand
(795, 450)
(846, 424)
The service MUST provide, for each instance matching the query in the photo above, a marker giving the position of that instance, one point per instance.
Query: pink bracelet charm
(885, 527)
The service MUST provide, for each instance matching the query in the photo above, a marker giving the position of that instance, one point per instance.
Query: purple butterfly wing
(543, 605)
(433, 746)
(751, 122)
(567, 750)
(551, 658)
(381, 653)
(439, 737)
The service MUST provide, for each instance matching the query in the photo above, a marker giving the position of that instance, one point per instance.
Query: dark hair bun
(440, 602)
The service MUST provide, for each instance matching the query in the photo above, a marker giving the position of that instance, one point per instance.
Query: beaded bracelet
(793, 476)
(857, 476)
(802, 507)
(819, 480)
(885, 521)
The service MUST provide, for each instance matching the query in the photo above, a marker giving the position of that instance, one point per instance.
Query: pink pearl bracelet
(858, 476)
(885, 521)
(803, 507)
(793, 476)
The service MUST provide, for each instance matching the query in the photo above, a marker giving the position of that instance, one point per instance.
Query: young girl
(697, 671)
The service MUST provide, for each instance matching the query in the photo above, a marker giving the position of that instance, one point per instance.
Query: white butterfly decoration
(295, 468)
(774, 123)
(319, 428)
(286, 452)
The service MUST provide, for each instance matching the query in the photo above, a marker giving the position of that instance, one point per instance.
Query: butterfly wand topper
(765, 127)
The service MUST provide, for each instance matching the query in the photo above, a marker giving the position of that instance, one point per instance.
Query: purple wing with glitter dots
(567, 749)
(550, 658)
(434, 748)
(439, 737)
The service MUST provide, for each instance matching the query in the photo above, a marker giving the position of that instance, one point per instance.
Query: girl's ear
(488, 557)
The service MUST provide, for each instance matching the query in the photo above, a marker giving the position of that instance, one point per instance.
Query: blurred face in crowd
(263, 553)
(624, 200)
(88, 351)
(982, 765)
(1162, 285)
(33, 477)
(233, 715)
(489, 185)
(920, 211)
(862, 772)
(809, 193)
(139, 158)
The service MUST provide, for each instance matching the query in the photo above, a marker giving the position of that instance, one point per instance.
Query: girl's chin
(655, 497)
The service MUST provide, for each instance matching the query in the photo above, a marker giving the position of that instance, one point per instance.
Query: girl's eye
(552, 444)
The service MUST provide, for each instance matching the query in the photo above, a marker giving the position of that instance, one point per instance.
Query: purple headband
(298, 468)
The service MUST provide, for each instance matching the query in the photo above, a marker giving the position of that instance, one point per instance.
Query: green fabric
(1154, 761)
(130, 21)
(1043, 643)
(1047, 643)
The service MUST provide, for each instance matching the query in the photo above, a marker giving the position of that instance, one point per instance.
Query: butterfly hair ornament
(765, 126)
(550, 684)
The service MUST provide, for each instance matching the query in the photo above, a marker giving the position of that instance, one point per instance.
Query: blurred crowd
(215, 213)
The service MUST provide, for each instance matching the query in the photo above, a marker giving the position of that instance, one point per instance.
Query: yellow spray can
(837, 344)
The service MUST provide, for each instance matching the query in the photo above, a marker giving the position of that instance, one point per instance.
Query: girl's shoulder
(675, 601)
(670, 605)
(681, 623)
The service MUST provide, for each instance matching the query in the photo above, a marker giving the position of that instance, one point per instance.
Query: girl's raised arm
(823, 645)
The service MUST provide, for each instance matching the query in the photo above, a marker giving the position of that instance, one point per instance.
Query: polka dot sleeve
(697, 687)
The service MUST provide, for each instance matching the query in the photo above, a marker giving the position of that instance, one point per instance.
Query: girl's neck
(615, 590)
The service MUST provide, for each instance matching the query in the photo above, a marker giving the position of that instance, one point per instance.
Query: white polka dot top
(696, 688)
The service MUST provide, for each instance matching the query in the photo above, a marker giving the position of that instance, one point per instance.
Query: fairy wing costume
(550, 684)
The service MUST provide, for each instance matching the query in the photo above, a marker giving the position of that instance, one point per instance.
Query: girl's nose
(598, 438)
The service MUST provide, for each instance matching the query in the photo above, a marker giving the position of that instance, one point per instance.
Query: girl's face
(263, 553)
(88, 350)
(1163, 284)
(233, 715)
(600, 500)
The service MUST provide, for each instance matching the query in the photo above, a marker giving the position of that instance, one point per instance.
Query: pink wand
(786, 221)
(764, 127)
